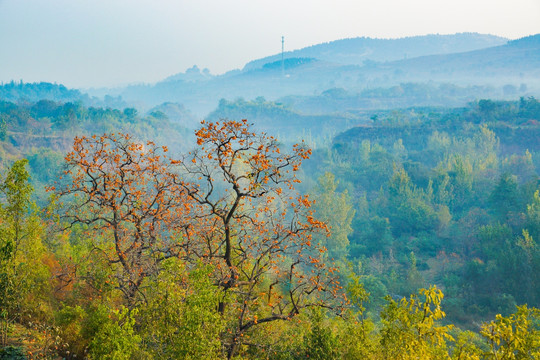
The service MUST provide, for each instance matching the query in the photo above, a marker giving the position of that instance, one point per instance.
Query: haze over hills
(344, 76)
(356, 65)
(361, 49)
(324, 89)
(516, 59)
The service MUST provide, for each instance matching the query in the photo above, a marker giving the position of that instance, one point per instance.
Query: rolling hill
(431, 59)
(359, 50)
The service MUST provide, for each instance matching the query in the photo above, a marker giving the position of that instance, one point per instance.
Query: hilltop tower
(282, 55)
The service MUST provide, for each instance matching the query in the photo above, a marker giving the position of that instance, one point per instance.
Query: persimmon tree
(125, 193)
(255, 228)
(230, 204)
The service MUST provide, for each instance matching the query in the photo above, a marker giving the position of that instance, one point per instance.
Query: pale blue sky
(84, 43)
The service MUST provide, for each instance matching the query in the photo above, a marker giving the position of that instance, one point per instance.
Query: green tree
(414, 278)
(336, 210)
(465, 346)
(21, 271)
(320, 342)
(514, 337)
(533, 216)
(408, 208)
(180, 317)
(504, 198)
(115, 337)
(16, 189)
(461, 180)
(410, 329)
(530, 265)
(356, 336)
(3, 128)
(486, 109)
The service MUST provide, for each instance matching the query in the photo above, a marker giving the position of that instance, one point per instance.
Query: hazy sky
(83, 43)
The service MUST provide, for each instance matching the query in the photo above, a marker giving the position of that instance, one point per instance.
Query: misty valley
(356, 199)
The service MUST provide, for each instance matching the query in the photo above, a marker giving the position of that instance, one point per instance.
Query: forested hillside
(445, 197)
(413, 235)
(43, 132)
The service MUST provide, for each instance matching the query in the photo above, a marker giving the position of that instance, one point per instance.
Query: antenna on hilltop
(282, 57)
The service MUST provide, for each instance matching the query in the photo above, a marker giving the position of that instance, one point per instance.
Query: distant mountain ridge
(359, 50)
(503, 69)
(513, 59)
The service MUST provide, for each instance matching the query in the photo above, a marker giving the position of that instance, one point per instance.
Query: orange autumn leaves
(126, 191)
(231, 203)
